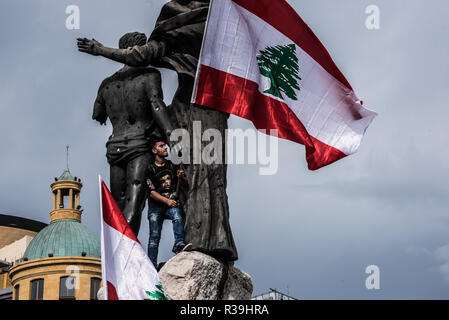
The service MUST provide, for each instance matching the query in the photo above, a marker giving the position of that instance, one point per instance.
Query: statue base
(192, 275)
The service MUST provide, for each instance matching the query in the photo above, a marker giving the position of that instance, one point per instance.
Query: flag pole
(103, 258)
(195, 83)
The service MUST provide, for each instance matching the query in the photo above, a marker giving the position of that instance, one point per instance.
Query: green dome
(66, 175)
(63, 238)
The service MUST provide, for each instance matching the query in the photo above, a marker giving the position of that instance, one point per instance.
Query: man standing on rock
(164, 180)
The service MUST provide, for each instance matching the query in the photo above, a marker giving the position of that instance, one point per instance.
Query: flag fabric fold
(260, 61)
(128, 273)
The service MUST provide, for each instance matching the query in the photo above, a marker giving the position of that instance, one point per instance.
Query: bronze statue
(175, 44)
(132, 100)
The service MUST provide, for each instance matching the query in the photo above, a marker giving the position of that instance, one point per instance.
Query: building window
(16, 292)
(67, 288)
(94, 287)
(37, 289)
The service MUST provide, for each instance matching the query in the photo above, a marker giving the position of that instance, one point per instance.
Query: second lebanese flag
(260, 61)
(128, 273)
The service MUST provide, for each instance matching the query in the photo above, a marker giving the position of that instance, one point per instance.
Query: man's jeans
(156, 215)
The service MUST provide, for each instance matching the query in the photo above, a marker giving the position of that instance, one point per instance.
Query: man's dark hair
(132, 39)
(156, 139)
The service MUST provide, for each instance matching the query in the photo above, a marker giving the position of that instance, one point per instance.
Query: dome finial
(67, 156)
(66, 175)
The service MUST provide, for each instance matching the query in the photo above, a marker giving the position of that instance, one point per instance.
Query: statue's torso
(127, 103)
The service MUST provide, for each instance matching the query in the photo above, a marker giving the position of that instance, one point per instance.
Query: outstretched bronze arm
(137, 56)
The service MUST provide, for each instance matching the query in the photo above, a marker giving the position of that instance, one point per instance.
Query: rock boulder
(196, 276)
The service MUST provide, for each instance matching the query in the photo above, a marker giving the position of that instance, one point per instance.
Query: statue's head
(132, 39)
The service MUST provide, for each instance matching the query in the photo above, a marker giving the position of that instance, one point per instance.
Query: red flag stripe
(280, 15)
(112, 292)
(238, 96)
(113, 216)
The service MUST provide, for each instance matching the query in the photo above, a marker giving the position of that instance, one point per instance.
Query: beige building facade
(15, 235)
(60, 278)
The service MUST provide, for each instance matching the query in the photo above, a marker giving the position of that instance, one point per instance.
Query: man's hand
(171, 203)
(92, 47)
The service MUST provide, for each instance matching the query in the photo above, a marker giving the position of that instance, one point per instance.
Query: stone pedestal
(196, 276)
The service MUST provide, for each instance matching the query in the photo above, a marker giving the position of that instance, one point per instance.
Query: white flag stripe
(325, 106)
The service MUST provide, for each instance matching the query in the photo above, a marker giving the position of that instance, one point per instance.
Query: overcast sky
(309, 234)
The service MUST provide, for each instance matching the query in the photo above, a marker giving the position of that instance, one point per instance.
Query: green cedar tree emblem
(280, 64)
(158, 294)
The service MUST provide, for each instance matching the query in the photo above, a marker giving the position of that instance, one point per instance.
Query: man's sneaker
(187, 247)
(178, 248)
(182, 247)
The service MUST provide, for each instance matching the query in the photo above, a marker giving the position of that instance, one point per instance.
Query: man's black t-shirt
(163, 179)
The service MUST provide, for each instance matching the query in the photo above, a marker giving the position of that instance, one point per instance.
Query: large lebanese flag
(127, 272)
(260, 61)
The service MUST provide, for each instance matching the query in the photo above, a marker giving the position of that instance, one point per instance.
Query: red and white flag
(260, 61)
(128, 273)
